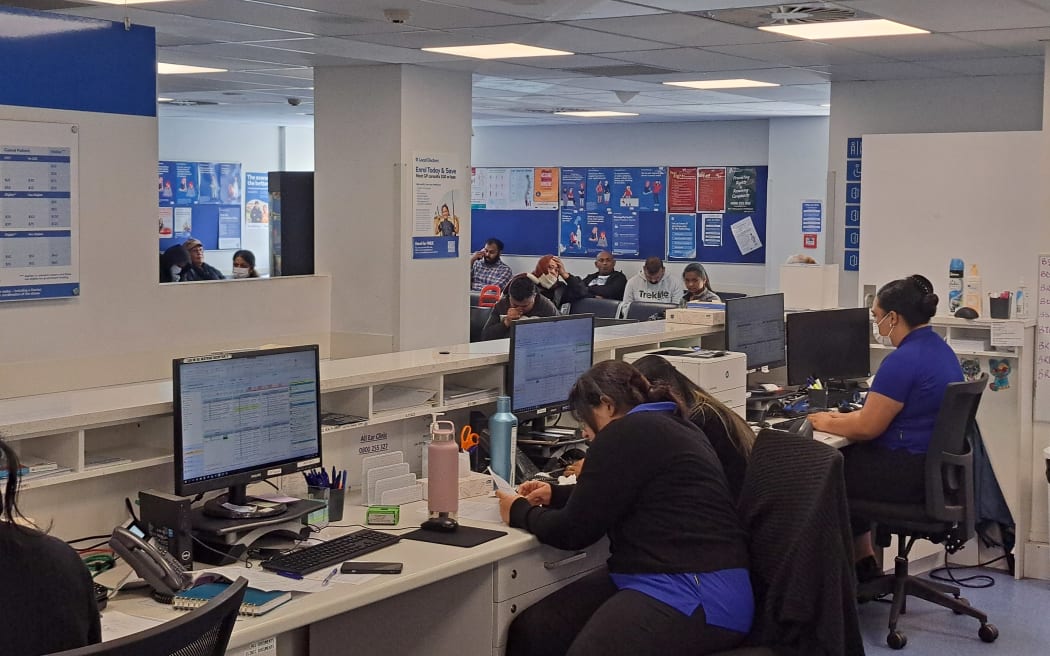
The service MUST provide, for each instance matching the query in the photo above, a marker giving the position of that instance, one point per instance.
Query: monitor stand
(221, 541)
(236, 504)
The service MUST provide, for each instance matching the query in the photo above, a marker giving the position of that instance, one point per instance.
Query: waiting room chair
(725, 296)
(490, 295)
(947, 515)
(475, 296)
(478, 317)
(642, 311)
(204, 631)
(793, 505)
(603, 308)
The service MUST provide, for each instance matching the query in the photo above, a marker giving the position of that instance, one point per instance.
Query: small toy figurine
(1000, 370)
(971, 368)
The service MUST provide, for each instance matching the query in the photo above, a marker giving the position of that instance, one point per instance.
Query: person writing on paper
(892, 430)
(555, 283)
(521, 300)
(606, 282)
(651, 285)
(48, 600)
(697, 285)
(677, 580)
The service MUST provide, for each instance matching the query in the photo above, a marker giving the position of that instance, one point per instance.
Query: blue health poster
(651, 181)
(185, 177)
(625, 238)
(208, 184)
(599, 194)
(426, 248)
(571, 231)
(573, 188)
(166, 183)
(229, 183)
(681, 241)
(626, 189)
(812, 216)
(256, 198)
(229, 226)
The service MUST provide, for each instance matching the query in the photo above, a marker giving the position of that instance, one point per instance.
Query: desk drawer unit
(542, 566)
(506, 611)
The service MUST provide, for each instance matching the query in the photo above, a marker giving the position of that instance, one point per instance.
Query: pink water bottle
(443, 477)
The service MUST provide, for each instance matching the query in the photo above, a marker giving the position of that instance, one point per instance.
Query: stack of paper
(397, 397)
(461, 394)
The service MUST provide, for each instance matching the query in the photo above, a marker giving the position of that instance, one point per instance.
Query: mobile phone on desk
(361, 567)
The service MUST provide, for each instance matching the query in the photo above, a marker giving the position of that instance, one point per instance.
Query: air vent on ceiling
(621, 70)
(784, 14)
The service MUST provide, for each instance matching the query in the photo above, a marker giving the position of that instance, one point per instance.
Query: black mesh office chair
(725, 296)
(643, 311)
(947, 515)
(478, 317)
(604, 308)
(204, 631)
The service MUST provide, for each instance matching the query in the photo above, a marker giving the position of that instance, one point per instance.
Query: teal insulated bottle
(503, 439)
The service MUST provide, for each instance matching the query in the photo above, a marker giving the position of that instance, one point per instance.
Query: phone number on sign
(373, 448)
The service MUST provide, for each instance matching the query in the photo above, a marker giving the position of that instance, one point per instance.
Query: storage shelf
(69, 477)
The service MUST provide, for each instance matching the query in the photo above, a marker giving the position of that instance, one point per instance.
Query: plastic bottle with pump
(442, 477)
(972, 291)
(503, 439)
(955, 284)
(1021, 301)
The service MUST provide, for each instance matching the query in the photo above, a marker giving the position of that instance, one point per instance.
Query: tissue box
(474, 485)
(700, 317)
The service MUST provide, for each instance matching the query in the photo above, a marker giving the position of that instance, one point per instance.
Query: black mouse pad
(464, 536)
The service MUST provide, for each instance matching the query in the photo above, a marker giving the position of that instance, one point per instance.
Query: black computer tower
(291, 223)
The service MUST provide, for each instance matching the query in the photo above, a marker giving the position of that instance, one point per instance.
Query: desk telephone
(161, 571)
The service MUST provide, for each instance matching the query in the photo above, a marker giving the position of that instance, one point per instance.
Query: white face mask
(548, 280)
(881, 339)
(240, 272)
(176, 272)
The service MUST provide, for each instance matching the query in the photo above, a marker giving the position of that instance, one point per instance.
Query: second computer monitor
(829, 344)
(546, 358)
(755, 327)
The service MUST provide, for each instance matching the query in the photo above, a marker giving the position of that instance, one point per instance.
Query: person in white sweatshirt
(651, 285)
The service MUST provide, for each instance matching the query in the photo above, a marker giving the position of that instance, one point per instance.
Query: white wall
(716, 142)
(298, 148)
(976, 104)
(125, 326)
(255, 146)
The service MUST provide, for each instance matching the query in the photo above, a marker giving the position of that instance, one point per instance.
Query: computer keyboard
(332, 552)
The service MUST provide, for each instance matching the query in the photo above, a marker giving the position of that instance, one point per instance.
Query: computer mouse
(966, 312)
(440, 524)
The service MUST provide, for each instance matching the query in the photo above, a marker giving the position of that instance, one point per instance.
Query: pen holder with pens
(319, 517)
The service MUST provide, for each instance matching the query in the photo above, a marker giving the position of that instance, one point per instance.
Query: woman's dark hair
(620, 384)
(178, 256)
(698, 269)
(911, 298)
(659, 370)
(247, 256)
(9, 463)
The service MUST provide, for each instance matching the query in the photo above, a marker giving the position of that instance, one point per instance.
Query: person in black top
(606, 282)
(677, 576)
(727, 431)
(48, 600)
(554, 283)
(199, 269)
(521, 300)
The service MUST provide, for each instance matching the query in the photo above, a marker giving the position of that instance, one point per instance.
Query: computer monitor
(829, 344)
(243, 417)
(546, 358)
(755, 327)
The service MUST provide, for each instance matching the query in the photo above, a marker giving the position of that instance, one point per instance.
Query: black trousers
(592, 617)
(875, 473)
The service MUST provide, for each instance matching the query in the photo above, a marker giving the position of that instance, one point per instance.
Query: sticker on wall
(1000, 370)
(971, 368)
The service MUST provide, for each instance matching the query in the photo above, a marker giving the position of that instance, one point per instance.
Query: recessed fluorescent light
(844, 29)
(182, 69)
(498, 51)
(596, 114)
(826, 105)
(736, 83)
(165, 100)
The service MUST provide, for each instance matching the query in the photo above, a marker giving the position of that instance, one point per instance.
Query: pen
(289, 575)
(342, 481)
(331, 575)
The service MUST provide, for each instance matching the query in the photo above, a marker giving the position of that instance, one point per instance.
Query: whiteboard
(1042, 342)
(930, 197)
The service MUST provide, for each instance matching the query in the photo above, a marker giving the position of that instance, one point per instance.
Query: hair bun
(924, 285)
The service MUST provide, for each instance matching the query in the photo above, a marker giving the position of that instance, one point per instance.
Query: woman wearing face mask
(244, 265)
(172, 263)
(677, 578)
(555, 283)
(697, 285)
(892, 431)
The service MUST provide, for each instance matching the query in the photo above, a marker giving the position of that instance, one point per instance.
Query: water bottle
(955, 284)
(503, 439)
(1021, 301)
(443, 474)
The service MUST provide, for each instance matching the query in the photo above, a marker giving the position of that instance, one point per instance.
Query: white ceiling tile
(264, 15)
(921, 47)
(678, 29)
(686, 59)
(800, 53)
(1029, 41)
(957, 15)
(561, 37)
(200, 30)
(891, 71)
(609, 83)
(993, 66)
(421, 14)
(557, 10)
(703, 5)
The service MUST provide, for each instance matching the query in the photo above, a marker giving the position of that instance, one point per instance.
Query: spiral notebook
(256, 602)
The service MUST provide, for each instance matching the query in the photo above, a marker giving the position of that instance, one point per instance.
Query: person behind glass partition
(173, 262)
(199, 269)
(244, 264)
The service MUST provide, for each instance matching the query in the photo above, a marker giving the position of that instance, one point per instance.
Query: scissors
(468, 439)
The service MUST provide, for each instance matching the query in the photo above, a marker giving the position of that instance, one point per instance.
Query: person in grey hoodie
(652, 285)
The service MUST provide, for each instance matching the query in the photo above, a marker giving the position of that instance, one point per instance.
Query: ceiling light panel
(596, 114)
(498, 51)
(851, 29)
(184, 69)
(734, 83)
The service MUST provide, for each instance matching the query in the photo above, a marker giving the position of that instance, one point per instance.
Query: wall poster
(435, 222)
(39, 204)
(681, 189)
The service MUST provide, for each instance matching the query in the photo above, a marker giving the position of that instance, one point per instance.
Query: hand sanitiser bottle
(972, 291)
(503, 439)
(955, 284)
(1021, 301)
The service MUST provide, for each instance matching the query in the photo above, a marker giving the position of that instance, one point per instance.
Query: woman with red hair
(555, 283)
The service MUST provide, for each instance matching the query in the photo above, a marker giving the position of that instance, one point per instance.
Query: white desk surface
(73, 410)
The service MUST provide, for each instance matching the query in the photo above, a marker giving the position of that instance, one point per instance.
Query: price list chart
(38, 219)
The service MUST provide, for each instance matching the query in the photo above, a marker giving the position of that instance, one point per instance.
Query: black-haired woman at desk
(893, 428)
(48, 600)
(677, 579)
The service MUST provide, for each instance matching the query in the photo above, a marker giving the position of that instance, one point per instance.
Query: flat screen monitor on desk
(546, 358)
(828, 345)
(755, 327)
(243, 417)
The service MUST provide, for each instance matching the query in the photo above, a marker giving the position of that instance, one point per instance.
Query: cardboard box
(696, 317)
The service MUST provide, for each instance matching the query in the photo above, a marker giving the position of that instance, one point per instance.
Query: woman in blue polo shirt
(677, 577)
(892, 431)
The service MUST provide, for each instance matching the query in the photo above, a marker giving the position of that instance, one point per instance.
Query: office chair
(604, 308)
(643, 311)
(478, 317)
(490, 295)
(725, 296)
(947, 515)
(204, 631)
(793, 505)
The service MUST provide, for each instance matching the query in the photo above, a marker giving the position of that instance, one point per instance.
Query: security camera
(397, 16)
(295, 102)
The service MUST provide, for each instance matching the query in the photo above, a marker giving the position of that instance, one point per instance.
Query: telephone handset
(162, 572)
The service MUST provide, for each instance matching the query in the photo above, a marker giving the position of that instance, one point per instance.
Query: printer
(723, 374)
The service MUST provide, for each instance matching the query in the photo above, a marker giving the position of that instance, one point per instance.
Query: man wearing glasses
(198, 268)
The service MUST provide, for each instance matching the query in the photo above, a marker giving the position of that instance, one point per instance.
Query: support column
(369, 123)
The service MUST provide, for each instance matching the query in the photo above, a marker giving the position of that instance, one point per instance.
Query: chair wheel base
(988, 632)
(961, 600)
(897, 640)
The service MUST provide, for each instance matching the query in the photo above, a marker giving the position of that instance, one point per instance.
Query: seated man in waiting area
(521, 300)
